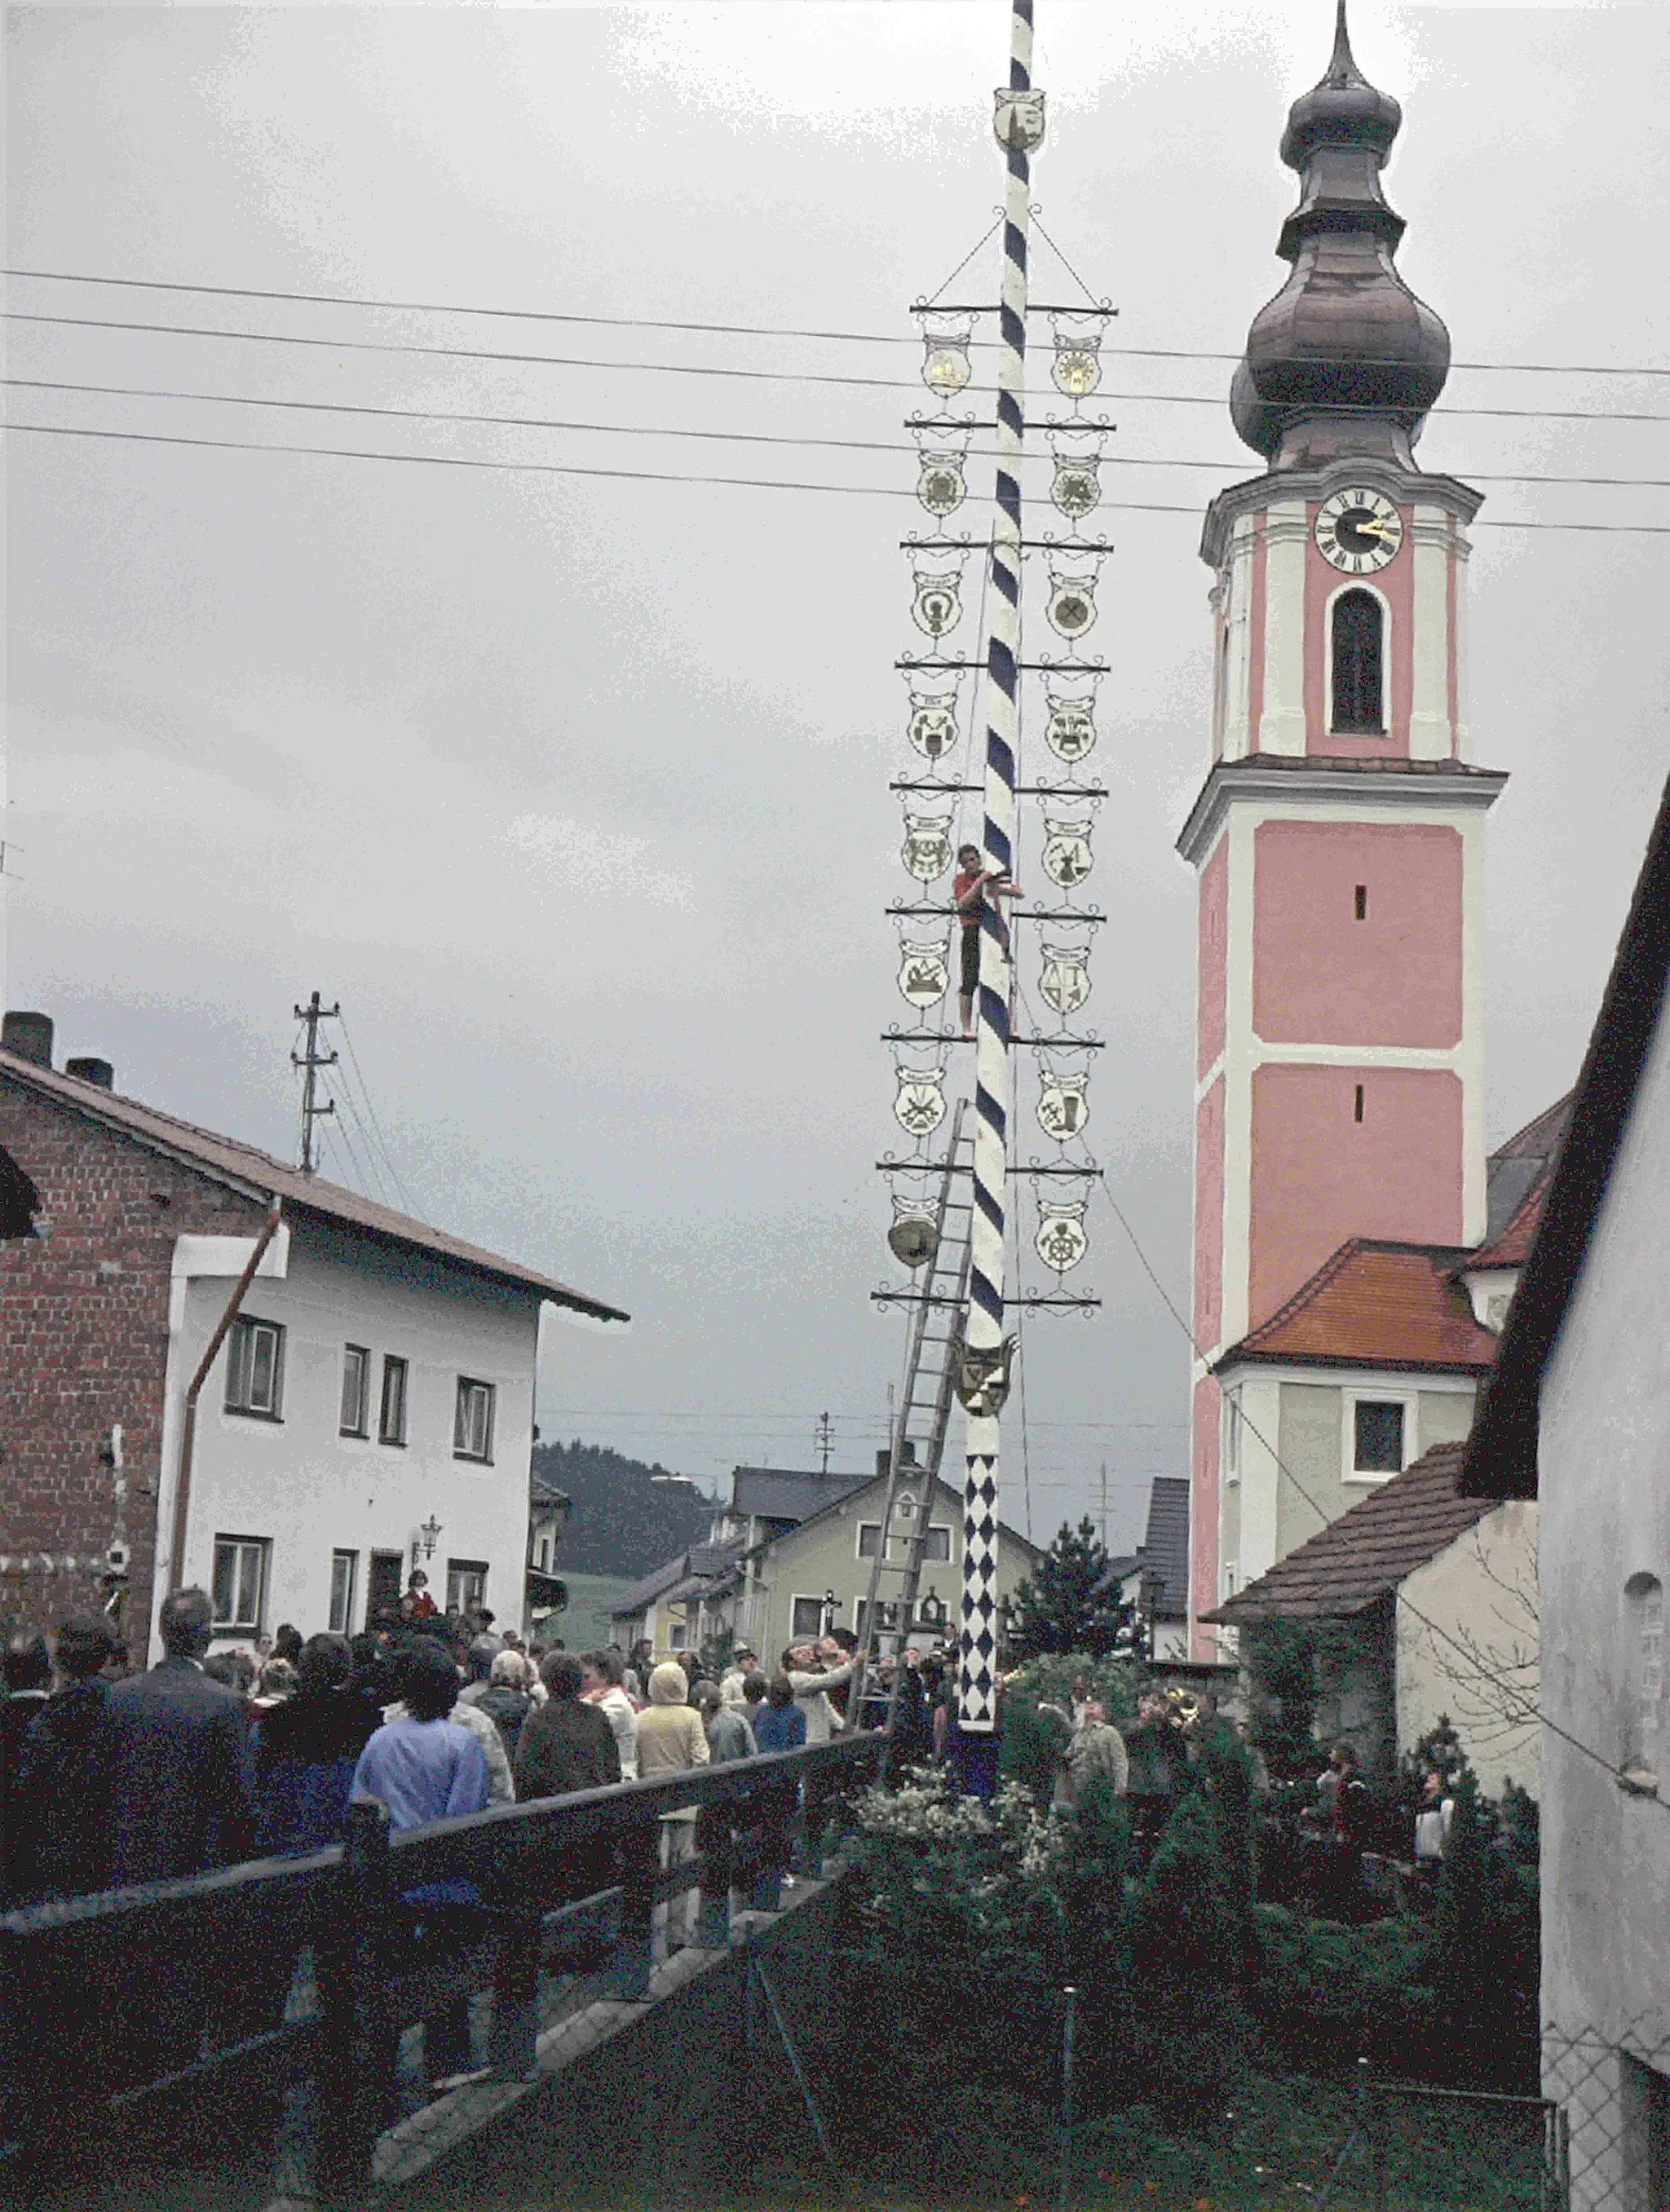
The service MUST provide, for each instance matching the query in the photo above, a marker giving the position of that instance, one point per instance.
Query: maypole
(1019, 122)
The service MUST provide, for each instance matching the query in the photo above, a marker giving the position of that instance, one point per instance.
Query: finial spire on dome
(1342, 68)
(1344, 359)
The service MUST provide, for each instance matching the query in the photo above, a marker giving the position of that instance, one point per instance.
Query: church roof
(1378, 1305)
(1345, 361)
(1366, 1553)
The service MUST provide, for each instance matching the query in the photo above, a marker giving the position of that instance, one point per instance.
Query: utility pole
(824, 1439)
(1104, 1505)
(310, 1060)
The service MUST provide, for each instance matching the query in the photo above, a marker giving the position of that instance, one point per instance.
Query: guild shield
(1062, 1112)
(925, 973)
(982, 1378)
(938, 606)
(1064, 984)
(914, 1235)
(1077, 487)
(919, 1106)
(926, 851)
(1017, 117)
(940, 487)
(1072, 606)
(945, 366)
(1067, 858)
(932, 725)
(1077, 367)
(1061, 1242)
(1070, 732)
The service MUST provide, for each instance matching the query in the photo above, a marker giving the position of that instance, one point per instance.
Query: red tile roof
(1375, 1304)
(1513, 1246)
(1366, 1553)
(247, 1169)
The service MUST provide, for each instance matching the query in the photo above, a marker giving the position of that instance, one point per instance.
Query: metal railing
(144, 2008)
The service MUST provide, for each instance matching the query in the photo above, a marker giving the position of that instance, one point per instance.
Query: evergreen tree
(1069, 1604)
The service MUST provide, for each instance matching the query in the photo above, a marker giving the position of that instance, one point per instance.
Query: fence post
(1373, 2114)
(355, 2078)
(1069, 2006)
(515, 2041)
(628, 1974)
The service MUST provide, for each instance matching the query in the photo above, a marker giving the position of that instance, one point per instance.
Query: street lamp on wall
(428, 1536)
(831, 1606)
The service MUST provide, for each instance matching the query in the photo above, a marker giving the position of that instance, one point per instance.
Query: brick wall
(84, 1344)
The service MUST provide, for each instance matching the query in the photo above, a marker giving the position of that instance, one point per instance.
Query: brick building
(374, 1396)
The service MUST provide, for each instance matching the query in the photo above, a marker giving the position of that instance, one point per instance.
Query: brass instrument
(1183, 1707)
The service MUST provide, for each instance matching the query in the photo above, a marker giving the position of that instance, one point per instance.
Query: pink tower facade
(1338, 837)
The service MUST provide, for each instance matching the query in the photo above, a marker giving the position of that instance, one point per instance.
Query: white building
(368, 1408)
(1577, 1416)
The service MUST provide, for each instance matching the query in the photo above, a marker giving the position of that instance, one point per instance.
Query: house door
(384, 1583)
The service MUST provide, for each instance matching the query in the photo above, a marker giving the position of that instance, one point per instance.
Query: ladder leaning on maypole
(1019, 123)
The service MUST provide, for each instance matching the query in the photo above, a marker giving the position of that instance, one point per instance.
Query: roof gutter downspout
(189, 1427)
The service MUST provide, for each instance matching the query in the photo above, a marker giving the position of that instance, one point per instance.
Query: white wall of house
(1604, 1567)
(1466, 1647)
(303, 1491)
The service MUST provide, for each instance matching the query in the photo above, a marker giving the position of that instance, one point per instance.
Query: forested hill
(627, 1518)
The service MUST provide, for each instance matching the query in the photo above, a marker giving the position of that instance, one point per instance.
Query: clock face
(1358, 530)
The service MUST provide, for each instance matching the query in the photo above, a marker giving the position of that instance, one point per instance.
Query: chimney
(88, 1069)
(29, 1036)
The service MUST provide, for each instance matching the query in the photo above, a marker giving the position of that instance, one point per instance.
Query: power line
(723, 437)
(1521, 1705)
(747, 375)
(664, 475)
(748, 330)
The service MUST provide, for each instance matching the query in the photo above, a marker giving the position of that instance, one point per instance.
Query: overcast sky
(574, 790)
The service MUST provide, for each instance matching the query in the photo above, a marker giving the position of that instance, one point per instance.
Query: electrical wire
(756, 329)
(1520, 1706)
(370, 1111)
(747, 375)
(664, 476)
(724, 437)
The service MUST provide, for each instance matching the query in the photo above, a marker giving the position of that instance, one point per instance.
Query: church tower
(1339, 834)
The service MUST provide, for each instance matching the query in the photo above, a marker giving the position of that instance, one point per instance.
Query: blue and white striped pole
(1019, 121)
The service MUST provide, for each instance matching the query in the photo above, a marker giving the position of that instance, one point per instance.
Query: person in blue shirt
(424, 1767)
(780, 1724)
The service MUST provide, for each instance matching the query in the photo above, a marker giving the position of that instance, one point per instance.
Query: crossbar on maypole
(1019, 123)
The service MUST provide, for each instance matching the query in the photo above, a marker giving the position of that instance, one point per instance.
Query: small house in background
(1576, 1417)
(298, 1440)
(547, 1593)
(1419, 1604)
(1155, 1578)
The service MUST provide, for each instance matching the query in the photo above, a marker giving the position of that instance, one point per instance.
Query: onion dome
(1344, 359)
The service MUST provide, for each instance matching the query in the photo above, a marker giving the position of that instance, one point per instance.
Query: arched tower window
(1643, 1602)
(1359, 660)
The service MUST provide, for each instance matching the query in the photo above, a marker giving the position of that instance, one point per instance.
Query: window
(344, 1579)
(1362, 903)
(806, 1618)
(1376, 1436)
(386, 1580)
(544, 1560)
(1356, 1104)
(356, 1389)
(1232, 1436)
(1643, 1609)
(466, 1584)
(936, 1543)
(254, 1368)
(391, 1418)
(677, 1636)
(1358, 688)
(472, 1421)
(239, 1581)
